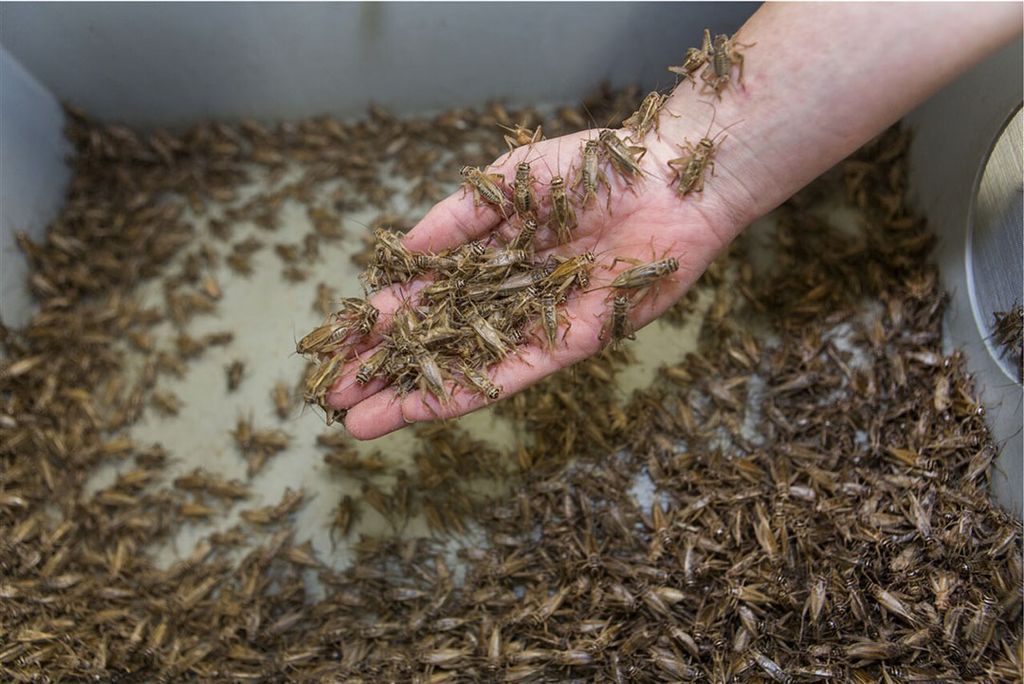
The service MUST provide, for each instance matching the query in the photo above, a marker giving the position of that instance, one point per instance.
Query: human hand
(644, 223)
(790, 120)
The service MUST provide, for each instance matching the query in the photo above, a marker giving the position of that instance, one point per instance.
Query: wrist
(727, 193)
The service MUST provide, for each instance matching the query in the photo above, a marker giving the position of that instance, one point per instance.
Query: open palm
(640, 224)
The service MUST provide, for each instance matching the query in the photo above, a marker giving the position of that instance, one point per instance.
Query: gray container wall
(954, 134)
(33, 176)
(170, 64)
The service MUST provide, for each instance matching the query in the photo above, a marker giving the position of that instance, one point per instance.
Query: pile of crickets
(483, 301)
(814, 477)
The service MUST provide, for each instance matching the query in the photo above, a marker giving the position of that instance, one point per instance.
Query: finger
(451, 222)
(589, 312)
(456, 220)
(387, 301)
(375, 411)
(385, 411)
(347, 391)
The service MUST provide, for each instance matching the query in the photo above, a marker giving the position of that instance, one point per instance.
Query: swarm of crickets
(486, 298)
(802, 497)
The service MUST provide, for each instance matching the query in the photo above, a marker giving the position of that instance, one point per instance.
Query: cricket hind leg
(603, 178)
(568, 327)
(654, 289)
(466, 189)
(657, 120)
(738, 57)
(713, 82)
(421, 394)
(628, 260)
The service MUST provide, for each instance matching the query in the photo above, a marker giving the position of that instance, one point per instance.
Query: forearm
(823, 79)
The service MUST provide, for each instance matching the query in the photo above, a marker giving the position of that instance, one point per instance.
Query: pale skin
(819, 81)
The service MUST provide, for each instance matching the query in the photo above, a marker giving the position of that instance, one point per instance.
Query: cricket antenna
(558, 161)
(712, 123)
(294, 340)
(590, 115)
(714, 115)
(734, 123)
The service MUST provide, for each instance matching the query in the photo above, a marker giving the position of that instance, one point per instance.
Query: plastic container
(169, 64)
